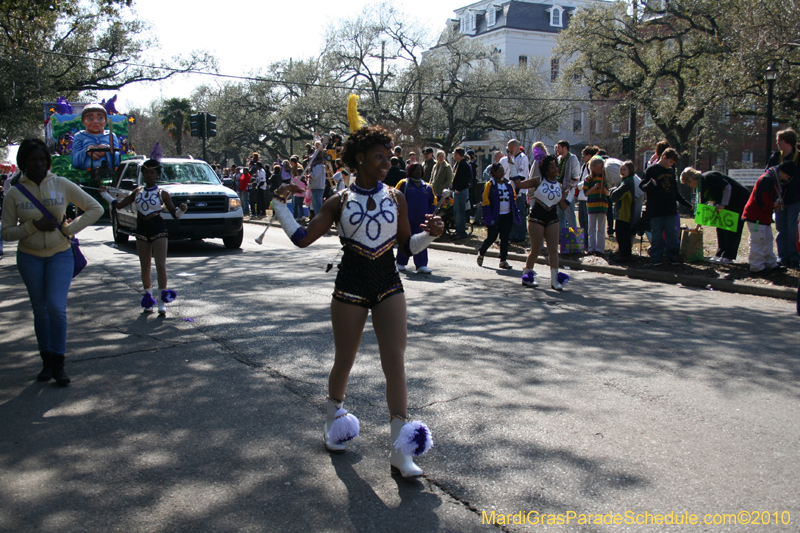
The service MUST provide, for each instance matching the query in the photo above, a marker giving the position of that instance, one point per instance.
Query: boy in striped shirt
(596, 190)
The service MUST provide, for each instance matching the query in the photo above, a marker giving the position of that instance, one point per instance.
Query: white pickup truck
(215, 212)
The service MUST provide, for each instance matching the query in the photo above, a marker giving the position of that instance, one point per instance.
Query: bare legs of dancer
(157, 249)
(389, 321)
(538, 234)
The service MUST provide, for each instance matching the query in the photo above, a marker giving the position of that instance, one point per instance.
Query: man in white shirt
(568, 178)
(261, 190)
(518, 168)
(317, 182)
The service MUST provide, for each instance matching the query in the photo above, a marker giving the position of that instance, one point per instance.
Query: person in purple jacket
(421, 201)
(500, 213)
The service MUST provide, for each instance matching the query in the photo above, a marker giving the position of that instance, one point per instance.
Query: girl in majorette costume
(151, 232)
(371, 219)
(543, 221)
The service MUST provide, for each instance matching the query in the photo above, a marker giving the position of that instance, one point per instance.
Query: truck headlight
(234, 204)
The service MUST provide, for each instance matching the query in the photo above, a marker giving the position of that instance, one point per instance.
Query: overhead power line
(306, 84)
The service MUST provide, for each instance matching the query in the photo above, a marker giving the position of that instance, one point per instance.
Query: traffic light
(626, 146)
(211, 125)
(198, 124)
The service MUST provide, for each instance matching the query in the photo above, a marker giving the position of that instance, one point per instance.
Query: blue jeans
(786, 225)
(520, 231)
(297, 206)
(48, 280)
(661, 227)
(245, 205)
(566, 219)
(583, 220)
(316, 200)
(460, 211)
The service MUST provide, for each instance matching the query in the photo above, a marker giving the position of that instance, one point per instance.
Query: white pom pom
(414, 439)
(344, 428)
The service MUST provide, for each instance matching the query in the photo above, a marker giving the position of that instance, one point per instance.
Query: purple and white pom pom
(148, 300)
(562, 278)
(414, 439)
(345, 427)
(168, 296)
(528, 276)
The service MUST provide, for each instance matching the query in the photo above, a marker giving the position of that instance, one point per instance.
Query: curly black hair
(546, 163)
(152, 164)
(32, 145)
(362, 140)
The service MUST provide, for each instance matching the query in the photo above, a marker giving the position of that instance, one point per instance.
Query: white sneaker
(401, 268)
(724, 260)
(423, 270)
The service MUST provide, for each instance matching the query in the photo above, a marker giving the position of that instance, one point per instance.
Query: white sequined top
(370, 233)
(148, 201)
(548, 193)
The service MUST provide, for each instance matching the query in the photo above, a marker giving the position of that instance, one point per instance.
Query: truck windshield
(188, 173)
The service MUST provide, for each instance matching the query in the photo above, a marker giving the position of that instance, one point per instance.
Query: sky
(247, 35)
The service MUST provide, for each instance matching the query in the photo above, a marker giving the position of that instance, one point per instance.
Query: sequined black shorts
(543, 216)
(366, 282)
(151, 228)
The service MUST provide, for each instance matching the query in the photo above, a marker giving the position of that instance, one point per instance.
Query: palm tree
(173, 116)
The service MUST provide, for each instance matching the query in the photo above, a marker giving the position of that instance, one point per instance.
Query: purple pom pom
(528, 277)
(168, 296)
(563, 278)
(414, 439)
(148, 300)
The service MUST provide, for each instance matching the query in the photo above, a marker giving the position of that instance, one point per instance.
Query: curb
(724, 285)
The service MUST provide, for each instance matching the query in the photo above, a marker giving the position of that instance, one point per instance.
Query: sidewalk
(737, 287)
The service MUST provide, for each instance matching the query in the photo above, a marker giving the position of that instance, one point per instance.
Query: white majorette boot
(340, 426)
(554, 279)
(408, 439)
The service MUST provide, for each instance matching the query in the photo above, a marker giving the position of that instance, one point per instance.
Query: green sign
(707, 215)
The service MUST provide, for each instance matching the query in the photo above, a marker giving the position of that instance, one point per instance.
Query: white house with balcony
(520, 30)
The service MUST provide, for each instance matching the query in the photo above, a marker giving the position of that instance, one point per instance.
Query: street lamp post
(770, 76)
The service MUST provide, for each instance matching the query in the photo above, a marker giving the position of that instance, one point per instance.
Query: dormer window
(491, 15)
(469, 22)
(556, 15)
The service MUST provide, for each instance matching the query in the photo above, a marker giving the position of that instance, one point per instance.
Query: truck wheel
(119, 237)
(234, 241)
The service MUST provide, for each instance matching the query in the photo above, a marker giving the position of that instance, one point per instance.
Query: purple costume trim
(298, 236)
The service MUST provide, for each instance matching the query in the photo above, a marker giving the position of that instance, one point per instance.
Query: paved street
(616, 395)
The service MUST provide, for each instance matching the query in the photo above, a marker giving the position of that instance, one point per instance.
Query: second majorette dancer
(371, 219)
(151, 232)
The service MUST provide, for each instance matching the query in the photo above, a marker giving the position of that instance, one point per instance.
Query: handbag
(80, 260)
(572, 241)
(692, 245)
